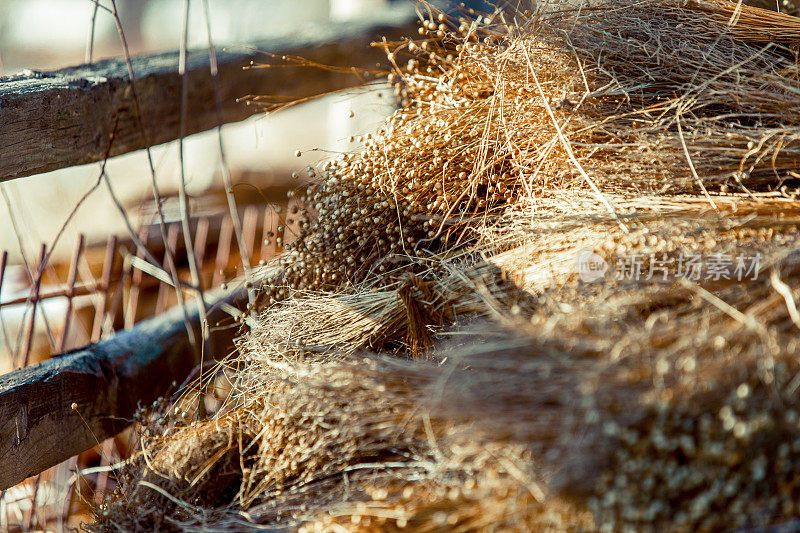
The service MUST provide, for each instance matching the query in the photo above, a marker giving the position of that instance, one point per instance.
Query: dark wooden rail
(39, 428)
(56, 119)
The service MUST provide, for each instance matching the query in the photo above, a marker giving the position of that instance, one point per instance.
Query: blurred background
(48, 34)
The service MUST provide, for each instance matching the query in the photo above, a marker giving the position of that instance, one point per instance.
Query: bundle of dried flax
(658, 140)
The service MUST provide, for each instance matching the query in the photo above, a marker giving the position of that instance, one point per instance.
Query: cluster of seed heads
(417, 184)
(702, 464)
(144, 413)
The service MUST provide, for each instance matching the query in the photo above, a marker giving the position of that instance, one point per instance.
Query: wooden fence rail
(39, 428)
(57, 119)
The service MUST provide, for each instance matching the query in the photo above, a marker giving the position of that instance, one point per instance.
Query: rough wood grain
(39, 429)
(56, 119)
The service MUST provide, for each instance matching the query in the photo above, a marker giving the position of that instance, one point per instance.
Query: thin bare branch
(156, 193)
(225, 169)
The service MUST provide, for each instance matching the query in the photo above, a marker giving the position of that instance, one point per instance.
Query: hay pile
(436, 353)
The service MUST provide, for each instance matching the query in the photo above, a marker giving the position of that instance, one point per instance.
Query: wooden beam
(57, 119)
(38, 427)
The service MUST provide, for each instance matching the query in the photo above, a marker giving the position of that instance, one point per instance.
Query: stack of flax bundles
(557, 290)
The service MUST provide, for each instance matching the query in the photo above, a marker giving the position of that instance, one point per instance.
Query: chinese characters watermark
(664, 267)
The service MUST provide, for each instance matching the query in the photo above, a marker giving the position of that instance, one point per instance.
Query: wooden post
(52, 120)
(39, 429)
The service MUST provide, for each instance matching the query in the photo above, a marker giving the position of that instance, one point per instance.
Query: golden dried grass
(626, 128)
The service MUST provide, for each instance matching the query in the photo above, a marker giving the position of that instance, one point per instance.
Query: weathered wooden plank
(56, 119)
(39, 429)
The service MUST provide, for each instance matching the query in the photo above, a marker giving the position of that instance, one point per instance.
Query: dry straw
(428, 358)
